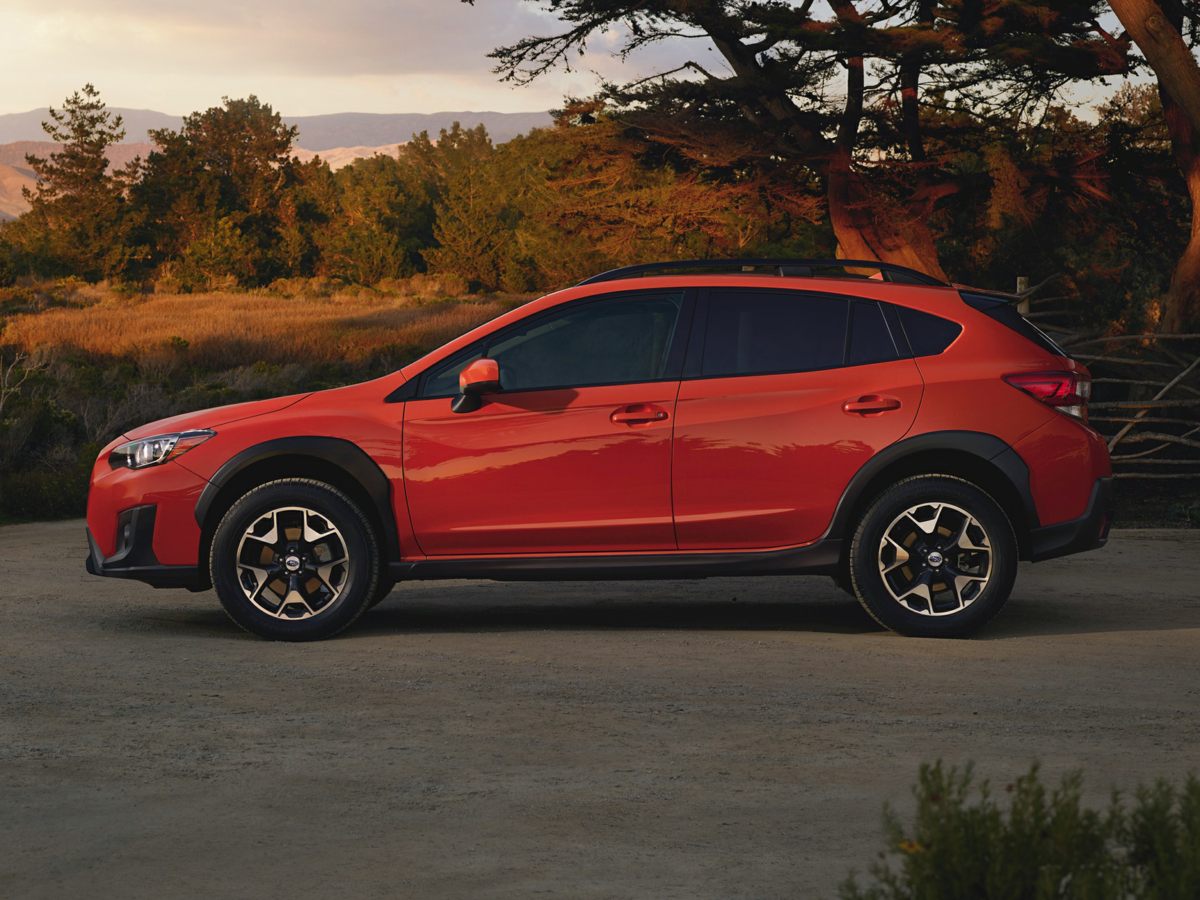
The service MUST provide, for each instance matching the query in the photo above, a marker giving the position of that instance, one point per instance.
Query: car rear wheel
(934, 556)
(294, 560)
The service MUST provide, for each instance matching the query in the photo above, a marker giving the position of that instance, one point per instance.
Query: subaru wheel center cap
(935, 559)
(292, 564)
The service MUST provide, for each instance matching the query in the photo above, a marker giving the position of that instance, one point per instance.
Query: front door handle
(638, 414)
(870, 404)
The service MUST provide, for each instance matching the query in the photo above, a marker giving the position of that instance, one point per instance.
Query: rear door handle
(870, 404)
(638, 414)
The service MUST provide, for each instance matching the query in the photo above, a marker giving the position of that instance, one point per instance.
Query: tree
(76, 214)
(1157, 27)
(471, 198)
(594, 192)
(780, 60)
(230, 163)
(383, 220)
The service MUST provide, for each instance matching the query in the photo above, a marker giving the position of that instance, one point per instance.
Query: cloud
(304, 56)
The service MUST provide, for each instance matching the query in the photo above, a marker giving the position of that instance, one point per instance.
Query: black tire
(973, 610)
(359, 579)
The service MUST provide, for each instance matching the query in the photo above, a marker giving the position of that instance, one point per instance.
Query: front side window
(617, 340)
(762, 332)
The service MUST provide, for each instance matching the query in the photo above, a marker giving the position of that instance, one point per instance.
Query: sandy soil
(725, 738)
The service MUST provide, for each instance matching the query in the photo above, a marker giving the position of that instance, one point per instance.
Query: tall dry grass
(221, 330)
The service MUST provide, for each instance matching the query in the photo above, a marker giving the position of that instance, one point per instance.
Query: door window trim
(675, 351)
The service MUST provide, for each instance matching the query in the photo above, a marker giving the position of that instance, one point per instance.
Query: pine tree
(78, 204)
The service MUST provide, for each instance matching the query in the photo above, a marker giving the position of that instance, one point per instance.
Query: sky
(304, 57)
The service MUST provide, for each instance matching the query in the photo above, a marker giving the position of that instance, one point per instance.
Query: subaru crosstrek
(911, 438)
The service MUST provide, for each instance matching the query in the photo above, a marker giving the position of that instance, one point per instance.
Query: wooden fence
(1146, 389)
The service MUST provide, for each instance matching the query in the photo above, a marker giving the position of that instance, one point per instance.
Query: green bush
(47, 493)
(963, 843)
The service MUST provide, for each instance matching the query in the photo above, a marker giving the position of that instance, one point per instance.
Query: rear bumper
(1087, 532)
(134, 557)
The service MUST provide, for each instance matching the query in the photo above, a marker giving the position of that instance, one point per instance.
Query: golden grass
(226, 329)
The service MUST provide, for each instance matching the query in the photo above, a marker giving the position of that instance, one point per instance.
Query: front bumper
(134, 557)
(1087, 532)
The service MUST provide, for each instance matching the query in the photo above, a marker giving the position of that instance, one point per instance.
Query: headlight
(158, 449)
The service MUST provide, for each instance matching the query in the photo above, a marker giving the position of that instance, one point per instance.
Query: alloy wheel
(935, 559)
(292, 563)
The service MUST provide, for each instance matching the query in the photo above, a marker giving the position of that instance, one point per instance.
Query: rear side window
(870, 338)
(928, 335)
(1003, 311)
(761, 332)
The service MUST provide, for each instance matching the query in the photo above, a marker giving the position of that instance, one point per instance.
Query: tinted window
(618, 340)
(870, 337)
(758, 332)
(442, 381)
(928, 335)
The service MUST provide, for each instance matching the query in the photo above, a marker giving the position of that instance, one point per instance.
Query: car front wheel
(934, 556)
(294, 560)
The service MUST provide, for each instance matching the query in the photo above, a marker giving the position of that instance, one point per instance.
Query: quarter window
(928, 335)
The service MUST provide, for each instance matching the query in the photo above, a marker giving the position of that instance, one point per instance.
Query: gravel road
(722, 738)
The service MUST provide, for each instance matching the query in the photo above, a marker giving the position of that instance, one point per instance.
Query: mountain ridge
(322, 132)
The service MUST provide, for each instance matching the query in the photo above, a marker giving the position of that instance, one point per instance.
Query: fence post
(1023, 285)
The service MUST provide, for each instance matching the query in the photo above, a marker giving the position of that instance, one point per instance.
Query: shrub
(219, 259)
(962, 843)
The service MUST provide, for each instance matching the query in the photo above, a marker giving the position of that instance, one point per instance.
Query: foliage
(1047, 844)
(210, 194)
(842, 89)
(221, 203)
(76, 223)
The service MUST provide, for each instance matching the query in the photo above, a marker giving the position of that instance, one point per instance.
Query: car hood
(213, 418)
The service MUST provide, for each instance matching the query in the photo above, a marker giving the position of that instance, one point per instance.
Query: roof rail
(787, 268)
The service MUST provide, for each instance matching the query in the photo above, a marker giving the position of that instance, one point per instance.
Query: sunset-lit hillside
(12, 180)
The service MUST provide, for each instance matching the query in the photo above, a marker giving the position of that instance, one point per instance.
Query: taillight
(1067, 392)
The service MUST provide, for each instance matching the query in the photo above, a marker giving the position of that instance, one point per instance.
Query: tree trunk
(1183, 307)
(1158, 35)
(871, 225)
(867, 224)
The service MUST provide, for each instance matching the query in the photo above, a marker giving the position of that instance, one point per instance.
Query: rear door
(786, 394)
(573, 455)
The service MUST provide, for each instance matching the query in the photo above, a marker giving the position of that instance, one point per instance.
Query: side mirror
(479, 378)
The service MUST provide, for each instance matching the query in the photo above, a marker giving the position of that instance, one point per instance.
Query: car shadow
(803, 605)
(395, 615)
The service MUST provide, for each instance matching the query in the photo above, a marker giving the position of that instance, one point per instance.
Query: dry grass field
(221, 330)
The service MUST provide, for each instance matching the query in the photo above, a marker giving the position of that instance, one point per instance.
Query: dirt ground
(722, 738)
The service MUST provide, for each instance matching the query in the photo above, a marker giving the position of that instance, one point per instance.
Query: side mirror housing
(479, 378)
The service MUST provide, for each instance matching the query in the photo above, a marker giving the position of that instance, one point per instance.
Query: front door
(788, 394)
(573, 455)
